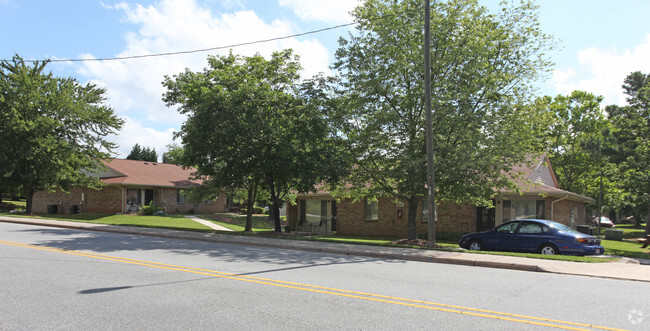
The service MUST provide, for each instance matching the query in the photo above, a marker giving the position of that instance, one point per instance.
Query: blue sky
(600, 42)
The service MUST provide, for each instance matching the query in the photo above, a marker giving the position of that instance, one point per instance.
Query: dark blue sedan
(533, 236)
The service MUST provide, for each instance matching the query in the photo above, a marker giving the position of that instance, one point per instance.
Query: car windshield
(563, 228)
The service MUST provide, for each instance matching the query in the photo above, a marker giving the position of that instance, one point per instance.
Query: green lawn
(628, 247)
(629, 231)
(236, 222)
(7, 205)
(177, 222)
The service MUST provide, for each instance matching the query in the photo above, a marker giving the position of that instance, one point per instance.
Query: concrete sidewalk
(625, 269)
(207, 223)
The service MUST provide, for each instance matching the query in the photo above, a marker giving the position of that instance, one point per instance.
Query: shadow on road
(118, 288)
(105, 242)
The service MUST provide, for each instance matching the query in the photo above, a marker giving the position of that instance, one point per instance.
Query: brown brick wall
(351, 219)
(62, 199)
(106, 200)
(451, 217)
(110, 199)
(167, 197)
(562, 212)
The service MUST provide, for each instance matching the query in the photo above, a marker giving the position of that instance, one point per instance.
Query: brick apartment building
(541, 198)
(129, 184)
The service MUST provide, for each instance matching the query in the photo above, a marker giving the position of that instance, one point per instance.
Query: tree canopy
(630, 149)
(51, 129)
(174, 154)
(250, 121)
(574, 139)
(482, 65)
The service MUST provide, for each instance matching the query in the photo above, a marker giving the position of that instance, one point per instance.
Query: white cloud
(334, 11)
(134, 132)
(134, 86)
(604, 72)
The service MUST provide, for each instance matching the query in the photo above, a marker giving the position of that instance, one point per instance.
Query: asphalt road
(52, 278)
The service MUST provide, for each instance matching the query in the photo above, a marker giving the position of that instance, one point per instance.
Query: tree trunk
(30, 201)
(276, 215)
(275, 206)
(647, 223)
(412, 215)
(252, 195)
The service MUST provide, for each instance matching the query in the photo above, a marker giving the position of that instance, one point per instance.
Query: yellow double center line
(333, 291)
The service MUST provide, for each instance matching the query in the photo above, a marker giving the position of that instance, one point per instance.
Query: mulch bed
(413, 242)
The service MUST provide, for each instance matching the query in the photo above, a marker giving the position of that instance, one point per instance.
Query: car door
(529, 236)
(502, 239)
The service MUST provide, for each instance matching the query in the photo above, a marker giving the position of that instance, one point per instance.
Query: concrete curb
(380, 252)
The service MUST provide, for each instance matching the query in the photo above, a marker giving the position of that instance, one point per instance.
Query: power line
(198, 50)
(218, 47)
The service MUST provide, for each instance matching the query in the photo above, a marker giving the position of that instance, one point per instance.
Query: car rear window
(563, 228)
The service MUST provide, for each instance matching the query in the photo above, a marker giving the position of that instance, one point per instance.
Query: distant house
(129, 184)
(541, 198)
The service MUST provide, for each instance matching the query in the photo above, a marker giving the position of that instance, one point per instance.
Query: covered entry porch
(316, 215)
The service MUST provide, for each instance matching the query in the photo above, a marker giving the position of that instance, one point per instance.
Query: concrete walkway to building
(623, 269)
(208, 223)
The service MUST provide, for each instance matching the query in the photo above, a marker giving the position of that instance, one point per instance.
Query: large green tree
(51, 129)
(575, 139)
(631, 150)
(482, 65)
(174, 154)
(250, 122)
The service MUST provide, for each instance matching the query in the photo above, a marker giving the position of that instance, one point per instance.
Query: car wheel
(548, 249)
(475, 245)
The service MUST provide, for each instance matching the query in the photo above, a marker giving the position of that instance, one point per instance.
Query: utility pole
(431, 187)
(600, 194)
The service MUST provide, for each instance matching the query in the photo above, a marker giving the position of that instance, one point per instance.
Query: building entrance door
(148, 197)
(484, 218)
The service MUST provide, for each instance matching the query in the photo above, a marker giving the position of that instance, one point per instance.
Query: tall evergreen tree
(142, 154)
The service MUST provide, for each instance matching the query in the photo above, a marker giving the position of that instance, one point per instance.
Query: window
(180, 196)
(371, 210)
(519, 209)
(313, 211)
(531, 227)
(133, 196)
(425, 211)
(508, 227)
